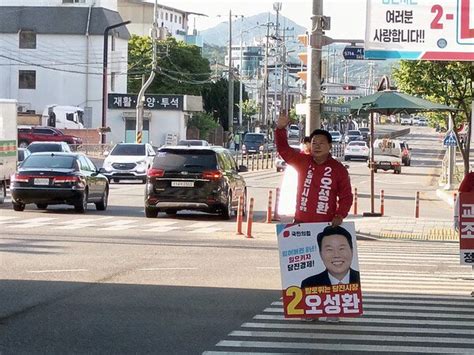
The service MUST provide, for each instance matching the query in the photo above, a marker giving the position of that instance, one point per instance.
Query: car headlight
(107, 166)
(141, 162)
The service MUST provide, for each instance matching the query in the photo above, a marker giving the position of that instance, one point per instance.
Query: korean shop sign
(420, 29)
(152, 102)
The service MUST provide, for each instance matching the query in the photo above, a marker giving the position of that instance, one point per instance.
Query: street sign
(450, 140)
(353, 53)
(334, 108)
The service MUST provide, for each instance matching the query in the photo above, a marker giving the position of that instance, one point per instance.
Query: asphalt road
(116, 282)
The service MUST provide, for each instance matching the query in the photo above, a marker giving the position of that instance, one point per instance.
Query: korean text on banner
(420, 29)
(466, 227)
(319, 270)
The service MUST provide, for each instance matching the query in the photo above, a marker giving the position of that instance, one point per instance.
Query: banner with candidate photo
(319, 270)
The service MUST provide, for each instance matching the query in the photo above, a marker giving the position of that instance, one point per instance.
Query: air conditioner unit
(21, 108)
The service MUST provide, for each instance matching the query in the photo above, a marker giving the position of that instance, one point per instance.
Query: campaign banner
(319, 270)
(466, 227)
(420, 29)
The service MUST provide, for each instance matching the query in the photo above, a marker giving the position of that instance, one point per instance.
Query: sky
(347, 16)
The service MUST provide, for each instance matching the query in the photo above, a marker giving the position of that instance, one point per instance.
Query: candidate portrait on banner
(319, 270)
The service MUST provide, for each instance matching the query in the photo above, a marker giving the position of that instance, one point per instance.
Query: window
(175, 18)
(44, 131)
(180, 20)
(166, 17)
(27, 79)
(27, 39)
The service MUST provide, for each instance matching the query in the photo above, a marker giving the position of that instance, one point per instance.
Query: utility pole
(313, 120)
(141, 94)
(230, 107)
(241, 72)
(277, 8)
(265, 78)
(283, 62)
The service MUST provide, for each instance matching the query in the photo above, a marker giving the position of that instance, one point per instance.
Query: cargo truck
(8, 144)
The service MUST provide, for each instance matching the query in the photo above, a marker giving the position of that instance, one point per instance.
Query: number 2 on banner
(435, 24)
(297, 294)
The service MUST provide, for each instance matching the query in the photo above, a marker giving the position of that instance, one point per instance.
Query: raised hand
(283, 121)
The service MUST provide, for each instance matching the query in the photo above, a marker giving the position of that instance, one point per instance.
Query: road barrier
(250, 219)
(417, 205)
(269, 207)
(382, 207)
(240, 215)
(355, 201)
(276, 215)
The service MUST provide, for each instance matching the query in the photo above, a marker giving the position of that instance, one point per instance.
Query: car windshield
(353, 133)
(189, 160)
(128, 149)
(49, 162)
(364, 130)
(357, 144)
(335, 134)
(253, 138)
(191, 142)
(35, 148)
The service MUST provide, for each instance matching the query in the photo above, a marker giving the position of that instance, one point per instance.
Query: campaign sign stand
(466, 228)
(312, 281)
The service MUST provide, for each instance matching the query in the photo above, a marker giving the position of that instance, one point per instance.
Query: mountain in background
(254, 27)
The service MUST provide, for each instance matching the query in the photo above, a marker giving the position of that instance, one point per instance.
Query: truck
(63, 117)
(387, 155)
(8, 144)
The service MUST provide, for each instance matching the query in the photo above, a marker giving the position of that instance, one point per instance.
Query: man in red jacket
(324, 192)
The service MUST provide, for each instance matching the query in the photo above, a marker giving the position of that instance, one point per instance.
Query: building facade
(52, 53)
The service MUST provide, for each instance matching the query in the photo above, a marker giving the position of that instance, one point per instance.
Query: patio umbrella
(389, 102)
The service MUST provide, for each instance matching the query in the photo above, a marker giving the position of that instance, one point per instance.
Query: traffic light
(349, 87)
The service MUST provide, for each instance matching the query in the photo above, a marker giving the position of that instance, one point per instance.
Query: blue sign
(450, 140)
(353, 53)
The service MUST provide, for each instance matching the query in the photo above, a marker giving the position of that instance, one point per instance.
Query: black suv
(194, 178)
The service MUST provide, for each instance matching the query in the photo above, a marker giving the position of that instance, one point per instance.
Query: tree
(249, 109)
(204, 122)
(449, 83)
(181, 67)
(215, 98)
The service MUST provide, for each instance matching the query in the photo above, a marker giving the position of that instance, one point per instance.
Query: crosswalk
(108, 224)
(417, 299)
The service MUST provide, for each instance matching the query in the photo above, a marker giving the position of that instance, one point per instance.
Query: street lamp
(104, 76)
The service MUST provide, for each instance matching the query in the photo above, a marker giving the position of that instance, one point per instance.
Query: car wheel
(81, 205)
(103, 203)
(151, 212)
(3, 192)
(409, 163)
(23, 144)
(18, 207)
(346, 158)
(144, 181)
(227, 210)
(42, 206)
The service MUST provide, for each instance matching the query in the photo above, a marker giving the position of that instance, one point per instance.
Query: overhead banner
(420, 29)
(319, 270)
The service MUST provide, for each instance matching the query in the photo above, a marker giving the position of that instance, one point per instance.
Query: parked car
(356, 150)
(414, 120)
(128, 161)
(23, 153)
(336, 136)
(194, 178)
(293, 131)
(27, 134)
(353, 135)
(405, 153)
(36, 147)
(406, 121)
(365, 133)
(255, 143)
(59, 178)
(422, 121)
(280, 164)
(194, 142)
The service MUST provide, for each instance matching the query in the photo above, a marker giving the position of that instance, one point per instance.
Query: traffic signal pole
(313, 119)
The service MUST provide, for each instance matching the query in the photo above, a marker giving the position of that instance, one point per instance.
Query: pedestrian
(324, 189)
(237, 141)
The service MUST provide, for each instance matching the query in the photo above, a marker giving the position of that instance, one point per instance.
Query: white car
(356, 150)
(293, 131)
(336, 136)
(406, 121)
(280, 164)
(422, 121)
(128, 161)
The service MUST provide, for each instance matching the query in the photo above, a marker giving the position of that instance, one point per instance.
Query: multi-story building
(51, 52)
(175, 21)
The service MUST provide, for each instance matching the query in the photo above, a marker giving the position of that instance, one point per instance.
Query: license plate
(385, 163)
(41, 181)
(182, 183)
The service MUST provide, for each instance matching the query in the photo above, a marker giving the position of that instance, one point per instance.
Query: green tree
(181, 67)
(249, 109)
(204, 122)
(449, 83)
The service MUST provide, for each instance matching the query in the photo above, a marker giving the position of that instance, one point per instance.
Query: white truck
(8, 140)
(387, 155)
(63, 117)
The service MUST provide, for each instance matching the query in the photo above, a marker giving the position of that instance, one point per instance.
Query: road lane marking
(53, 271)
(119, 225)
(168, 268)
(202, 225)
(204, 230)
(160, 229)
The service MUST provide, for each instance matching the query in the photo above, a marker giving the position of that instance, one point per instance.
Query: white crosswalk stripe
(424, 309)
